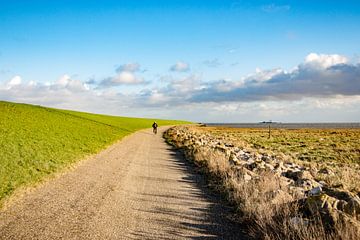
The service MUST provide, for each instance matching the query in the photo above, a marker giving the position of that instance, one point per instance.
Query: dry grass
(271, 208)
(264, 203)
(313, 145)
(334, 150)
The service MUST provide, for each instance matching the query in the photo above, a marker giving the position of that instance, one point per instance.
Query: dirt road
(138, 188)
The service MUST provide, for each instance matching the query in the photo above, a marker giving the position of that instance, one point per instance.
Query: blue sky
(159, 58)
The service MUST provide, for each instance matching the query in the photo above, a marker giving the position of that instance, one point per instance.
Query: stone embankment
(295, 180)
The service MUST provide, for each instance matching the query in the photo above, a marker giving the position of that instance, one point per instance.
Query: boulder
(353, 207)
(297, 174)
(338, 194)
(324, 202)
(250, 164)
(315, 191)
(307, 184)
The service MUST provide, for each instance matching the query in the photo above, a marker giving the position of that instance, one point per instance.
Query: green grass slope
(37, 141)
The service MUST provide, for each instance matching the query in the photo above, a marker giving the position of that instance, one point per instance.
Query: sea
(354, 125)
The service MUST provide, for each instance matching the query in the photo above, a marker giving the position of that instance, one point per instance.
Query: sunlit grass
(315, 145)
(36, 141)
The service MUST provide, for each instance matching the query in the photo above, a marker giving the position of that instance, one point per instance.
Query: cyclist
(155, 126)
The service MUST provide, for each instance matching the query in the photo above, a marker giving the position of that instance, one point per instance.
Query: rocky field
(282, 194)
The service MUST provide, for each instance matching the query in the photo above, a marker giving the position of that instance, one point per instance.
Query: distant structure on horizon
(270, 122)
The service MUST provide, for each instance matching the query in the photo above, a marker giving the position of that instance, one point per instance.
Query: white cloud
(64, 93)
(325, 60)
(129, 67)
(320, 75)
(180, 67)
(66, 82)
(63, 80)
(264, 75)
(16, 80)
(323, 87)
(125, 76)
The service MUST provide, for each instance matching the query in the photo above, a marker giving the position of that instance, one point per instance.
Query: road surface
(139, 188)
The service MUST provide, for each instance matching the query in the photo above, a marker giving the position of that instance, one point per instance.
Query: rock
(307, 184)
(297, 174)
(295, 182)
(243, 155)
(315, 191)
(353, 207)
(233, 158)
(269, 166)
(266, 158)
(326, 171)
(323, 201)
(247, 177)
(291, 174)
(338, 194)
(290, 165)
(250, 164)
(260, 165)
(279, 165)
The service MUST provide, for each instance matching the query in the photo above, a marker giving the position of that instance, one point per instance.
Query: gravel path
(139, 188)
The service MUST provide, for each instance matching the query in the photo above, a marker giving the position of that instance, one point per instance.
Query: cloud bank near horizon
(320, 75)
(321, 82)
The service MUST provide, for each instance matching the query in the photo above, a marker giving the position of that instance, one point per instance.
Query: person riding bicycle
(155, 126)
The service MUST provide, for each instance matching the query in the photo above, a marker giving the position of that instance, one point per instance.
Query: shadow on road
(210, 222)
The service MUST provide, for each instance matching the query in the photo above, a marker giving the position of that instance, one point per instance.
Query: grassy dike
(37, 141)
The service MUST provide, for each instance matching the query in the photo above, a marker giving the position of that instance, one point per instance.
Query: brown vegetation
(332, 154)
(277, 206)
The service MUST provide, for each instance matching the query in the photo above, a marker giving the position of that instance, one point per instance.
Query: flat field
(333, 155)
(37, 141)
(313, 145)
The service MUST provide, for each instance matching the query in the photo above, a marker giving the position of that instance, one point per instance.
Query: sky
(203, 61)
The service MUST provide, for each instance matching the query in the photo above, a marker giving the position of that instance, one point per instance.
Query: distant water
(286, 125)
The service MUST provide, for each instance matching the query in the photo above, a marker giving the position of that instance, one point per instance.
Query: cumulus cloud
(128, 67)
(122, 78)
(325, 60)
(180, 67)
(68, 83)
(66, 93)
(125, 75)
(16, 80)
(320, 75)
(39, 93)
(319, 88)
